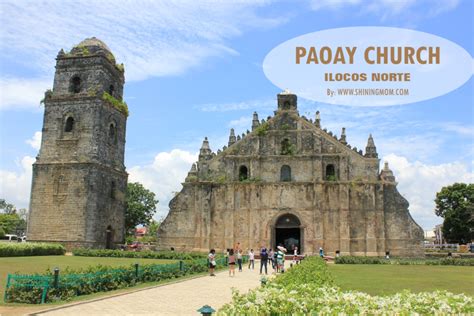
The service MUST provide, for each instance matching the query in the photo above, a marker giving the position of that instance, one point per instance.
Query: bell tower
(79, 178)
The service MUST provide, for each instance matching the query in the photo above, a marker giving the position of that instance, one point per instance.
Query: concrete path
(182, 298)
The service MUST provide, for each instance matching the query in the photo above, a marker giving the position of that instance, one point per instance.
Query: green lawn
(28, 265)
(389, 279)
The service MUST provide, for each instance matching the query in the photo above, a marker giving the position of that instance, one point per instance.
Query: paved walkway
(182, 298)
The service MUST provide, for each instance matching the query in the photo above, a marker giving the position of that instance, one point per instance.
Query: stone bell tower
(79, 178)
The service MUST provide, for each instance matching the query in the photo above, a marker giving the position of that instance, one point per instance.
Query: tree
(7, 208)
(141, 206)
(455, 203)
(153, 227)
(12, 221)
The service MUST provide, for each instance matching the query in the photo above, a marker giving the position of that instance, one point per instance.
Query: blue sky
(195, 70)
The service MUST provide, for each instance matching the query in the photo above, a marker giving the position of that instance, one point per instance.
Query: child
(251, 259)
(231, 262)
(239, 259)
(212, 262)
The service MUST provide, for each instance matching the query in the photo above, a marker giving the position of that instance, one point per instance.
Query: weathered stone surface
(79, 178)
(337, 194)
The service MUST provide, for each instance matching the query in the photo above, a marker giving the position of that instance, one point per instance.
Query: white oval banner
(368, 66)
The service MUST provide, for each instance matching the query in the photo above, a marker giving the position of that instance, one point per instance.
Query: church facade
(79, 179)
(290, 182)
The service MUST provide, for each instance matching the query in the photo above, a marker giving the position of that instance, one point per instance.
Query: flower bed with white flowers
(308, 289)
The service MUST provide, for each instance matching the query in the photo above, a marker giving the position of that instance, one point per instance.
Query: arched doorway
(109, 238)
(288, 232)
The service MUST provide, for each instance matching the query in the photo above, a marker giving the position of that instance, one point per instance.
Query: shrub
(307, 289)
(173, 255)
(451, 262)
(30, 289)
(405, 261)
(14, 249)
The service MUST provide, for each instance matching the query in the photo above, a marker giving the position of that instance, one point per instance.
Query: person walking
(263, 259)
(231, 262)
(251, 259)
(239, 259)
(281, 259)
(275, 260)
(212, 262)
(270, 258)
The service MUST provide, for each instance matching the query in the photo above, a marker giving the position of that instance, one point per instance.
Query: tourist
(275, 260)
(239, 259)
(212, 262)
(237, 247)
(270, 257)
(321, 252)
(251, 259)
(295, 255)
(263, 259)
(231, 262)
(281, 258)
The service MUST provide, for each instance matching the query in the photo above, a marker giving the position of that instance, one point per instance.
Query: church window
(112, 189)
(330, 173)
(112, 133)
(60, 185)
(69, 124)
(286, 105)
(243, 173)
(285, 173)
(111, 90)
(76, 84)
(287, 148)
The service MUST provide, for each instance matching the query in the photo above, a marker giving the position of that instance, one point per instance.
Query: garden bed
(308, 288)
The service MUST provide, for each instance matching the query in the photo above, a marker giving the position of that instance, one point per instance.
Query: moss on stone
(119, 105)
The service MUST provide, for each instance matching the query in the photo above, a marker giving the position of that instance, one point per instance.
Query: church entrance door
(109, 238)
(288, 232)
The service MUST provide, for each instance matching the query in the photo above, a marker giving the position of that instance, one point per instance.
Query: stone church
(290, 182)
(79, 178)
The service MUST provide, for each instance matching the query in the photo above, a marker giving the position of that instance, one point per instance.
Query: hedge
(40, 288)
(139, 254)
(405, 261)
(18, 249)
(308, 289)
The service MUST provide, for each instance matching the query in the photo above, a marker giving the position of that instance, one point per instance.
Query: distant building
(140, 231)
(438, 232)
(430, 236)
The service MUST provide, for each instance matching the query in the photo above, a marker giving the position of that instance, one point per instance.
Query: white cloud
(238, 106)
(35, 141)
(388, 8)
(22, 93)
(419, 183)
(243, 123)
(152, 38)
(15, 186)
(164, 175)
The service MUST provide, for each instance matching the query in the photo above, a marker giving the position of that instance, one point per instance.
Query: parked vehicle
(10, 237)
(136, 246)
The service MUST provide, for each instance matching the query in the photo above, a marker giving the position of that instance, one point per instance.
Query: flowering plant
(308, 289)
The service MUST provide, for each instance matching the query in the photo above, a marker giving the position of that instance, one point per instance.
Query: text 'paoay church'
(287, 181)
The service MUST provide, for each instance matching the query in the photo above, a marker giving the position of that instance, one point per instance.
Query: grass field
(389, 279)
(39, 264)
